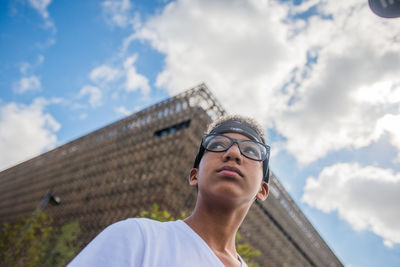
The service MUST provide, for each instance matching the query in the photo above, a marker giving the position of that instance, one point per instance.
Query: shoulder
(114, 246)
(138, 223)
(120, 228)
(121, 244)
(146, 228)
(150, 227)
(133, 224)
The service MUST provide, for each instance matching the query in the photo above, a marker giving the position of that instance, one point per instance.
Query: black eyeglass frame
(238, 142)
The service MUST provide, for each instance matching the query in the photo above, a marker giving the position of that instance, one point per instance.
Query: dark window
(172, 129)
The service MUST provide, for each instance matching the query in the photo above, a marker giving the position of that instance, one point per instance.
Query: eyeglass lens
(248, 148)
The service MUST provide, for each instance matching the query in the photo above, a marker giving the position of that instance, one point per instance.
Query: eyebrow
(248, 139)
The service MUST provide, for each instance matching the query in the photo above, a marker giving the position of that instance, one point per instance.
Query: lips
(230, 170)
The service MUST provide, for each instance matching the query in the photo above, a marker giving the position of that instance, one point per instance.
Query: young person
(230, 172)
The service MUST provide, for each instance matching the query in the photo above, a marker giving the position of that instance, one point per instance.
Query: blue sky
(321, 76)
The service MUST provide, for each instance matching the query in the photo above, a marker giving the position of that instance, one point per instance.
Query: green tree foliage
(65, 245)
(246, 251)
(243, 248)
(161, 215)
(35, 242)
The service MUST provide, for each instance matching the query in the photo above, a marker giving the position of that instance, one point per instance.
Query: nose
(233, 153)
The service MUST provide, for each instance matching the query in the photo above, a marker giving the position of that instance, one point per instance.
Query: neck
(217, 225)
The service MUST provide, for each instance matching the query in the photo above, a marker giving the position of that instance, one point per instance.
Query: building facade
(122, 169)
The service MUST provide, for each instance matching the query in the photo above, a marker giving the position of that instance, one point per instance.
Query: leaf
(35, 242)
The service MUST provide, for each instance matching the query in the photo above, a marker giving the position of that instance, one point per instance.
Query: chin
(227, 195)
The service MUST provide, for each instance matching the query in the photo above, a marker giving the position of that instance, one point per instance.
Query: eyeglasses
(248, 148)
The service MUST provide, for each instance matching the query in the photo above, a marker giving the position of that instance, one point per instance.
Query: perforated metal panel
(117, 171)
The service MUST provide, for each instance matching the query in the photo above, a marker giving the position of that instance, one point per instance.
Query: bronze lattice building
(117, 171)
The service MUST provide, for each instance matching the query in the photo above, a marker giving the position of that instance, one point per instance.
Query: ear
(193, 176)
(263, 192)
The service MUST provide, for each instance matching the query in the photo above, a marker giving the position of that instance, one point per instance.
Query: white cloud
(379, 93)
(123, 111)
(390, 124)
(26, 67)
(40, 60)
(25, 84)
(94, 93)
(104, 74)
(255, 60)
(354, 83)
(83, 116)
(46, 44)
(41, 7)
(240, 49)
(135, 81)
(366, 197)
(25, 131)
(117, 12)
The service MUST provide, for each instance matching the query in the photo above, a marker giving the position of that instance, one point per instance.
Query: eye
(216, 145)
(252, 150)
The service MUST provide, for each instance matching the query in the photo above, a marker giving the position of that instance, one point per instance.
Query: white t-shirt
(144, 242)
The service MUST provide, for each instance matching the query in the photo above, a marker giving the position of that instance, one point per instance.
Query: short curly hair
(252, 122)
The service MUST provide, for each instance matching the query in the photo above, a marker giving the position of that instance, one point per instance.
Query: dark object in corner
(385, 8)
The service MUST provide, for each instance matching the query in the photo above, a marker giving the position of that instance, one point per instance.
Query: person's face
(229, 175)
